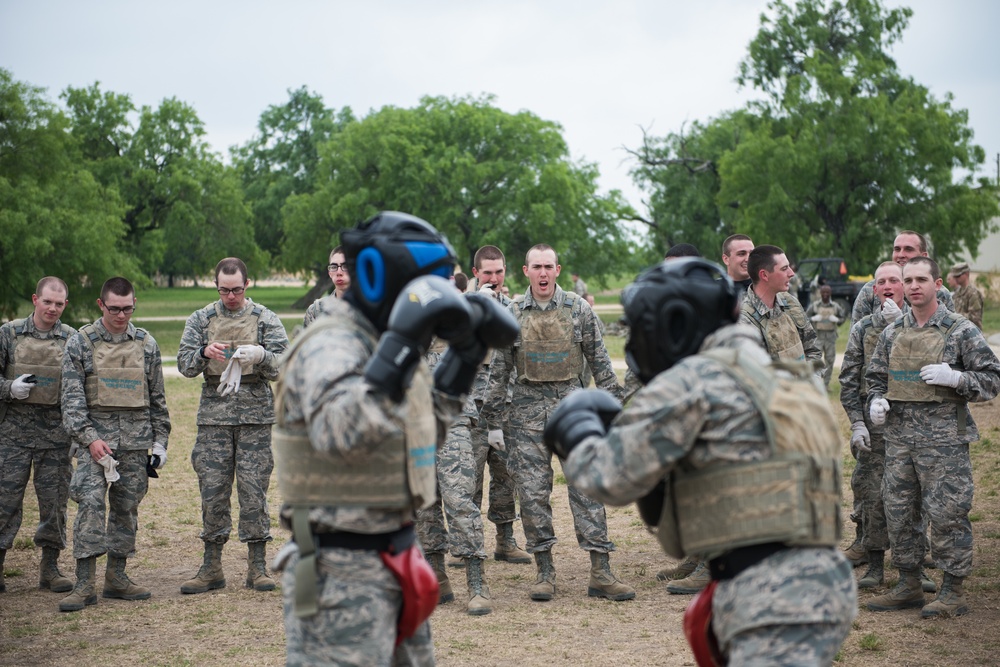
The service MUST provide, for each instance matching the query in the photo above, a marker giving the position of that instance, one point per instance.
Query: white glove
(229, 381)
(860, 438)
(495, 439)
(110, 466)
(878, 411)
(74, 447)
(20, 389)
(161, 451)
(891, 311)
(249, 355)
(816, 318)
(940, 374)
(833, 318)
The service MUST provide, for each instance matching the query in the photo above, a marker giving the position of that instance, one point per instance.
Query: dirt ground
(234, 626)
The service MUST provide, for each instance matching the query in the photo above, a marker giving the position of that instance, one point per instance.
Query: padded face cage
(671, 309)
(385, 253)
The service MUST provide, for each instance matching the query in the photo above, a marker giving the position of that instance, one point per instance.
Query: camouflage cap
(960, 268)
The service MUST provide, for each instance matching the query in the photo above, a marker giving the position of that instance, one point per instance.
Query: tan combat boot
(257, 576)
(83, 592)
(118, 585)
(856, 552)
(507, 549)
(479, 592)
(950, 601)
(210, 576)
(683, 569)
(603, 583)
(436, 559)
(906, 594)
(49, 576)
(875, 575)
(3, 554)
(693, 583)
(545, 582)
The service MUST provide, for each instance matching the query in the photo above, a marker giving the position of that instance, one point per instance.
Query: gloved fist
(229, 381)
(832, 318)
(495, 440)
(21, 387)
(249, 355)
(491, 325)
(580, 415)
(940, 374)
(860, 438)
(816, 318)
(891, 311)
(878, 410)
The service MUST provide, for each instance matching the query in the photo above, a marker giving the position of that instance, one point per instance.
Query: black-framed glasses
(334, 267)
(116, 310)
(225, 291)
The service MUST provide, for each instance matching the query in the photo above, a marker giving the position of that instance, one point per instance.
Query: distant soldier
(735, 253)
(337, 270)
(579, 286)
(968, 299)
(826, 316)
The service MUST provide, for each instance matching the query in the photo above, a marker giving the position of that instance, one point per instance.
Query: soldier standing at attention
(925, 369)
(114, 409)
(31, 434)
(968, 299)
(826, 316)
(558, 334)
(235, 343)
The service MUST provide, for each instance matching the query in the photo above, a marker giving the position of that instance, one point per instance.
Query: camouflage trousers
(93, 533)
(531, 466)
(827, 341)
(866, 484)
(220, 455)
(502, 508)
(52, 472)
(359, 601)
(456, 485)
(937, 480)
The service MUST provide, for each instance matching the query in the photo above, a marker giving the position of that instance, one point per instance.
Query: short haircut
(682, 250)
(762, 258)
(461, 281)
(118, 286)
(542, 247)
(54, 283)
(923, 240)
(230, 266)
(339, 250)
(935, 269)
(727, 244)
(889, 263)
(487, 252)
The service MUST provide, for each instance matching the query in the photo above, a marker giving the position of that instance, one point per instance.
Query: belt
(733, 563)
(395, 542)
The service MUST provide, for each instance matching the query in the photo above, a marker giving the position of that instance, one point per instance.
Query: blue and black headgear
(388, 251)
(671, 309)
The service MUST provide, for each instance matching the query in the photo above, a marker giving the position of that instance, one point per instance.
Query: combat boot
(83, 592)
(49, 576)
(950, 601)
(856, 553)
(906, 594)
(875, 576)
(926, 583)
(3, 554)
(479, 592)
(603, 583)
(436, 559)
(257, 576)
(681, 570)
(545, 582)
(691, 584)
(118, 585)
(210, 576)
(507, 549)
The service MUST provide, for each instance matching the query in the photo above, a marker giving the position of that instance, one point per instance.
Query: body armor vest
(548, 349)
(781, 334)
(41, 358)
(869, 338)
(792, 497)
(119, 378)
(826, 310)
(234, 331)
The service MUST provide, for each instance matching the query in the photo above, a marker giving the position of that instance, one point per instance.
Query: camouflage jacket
(854, 365)
(121, 429)
(866, 301)
(317, 308)
(783, 303)
(254, 402)
(969, 303)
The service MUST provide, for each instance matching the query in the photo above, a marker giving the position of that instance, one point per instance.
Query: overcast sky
(600, 69)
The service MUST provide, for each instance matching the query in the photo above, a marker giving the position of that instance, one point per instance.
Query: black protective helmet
(671, 309)
(388, 251)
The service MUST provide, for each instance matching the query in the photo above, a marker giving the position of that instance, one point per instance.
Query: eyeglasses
(115, 310)
(236, 291)
(333, 268)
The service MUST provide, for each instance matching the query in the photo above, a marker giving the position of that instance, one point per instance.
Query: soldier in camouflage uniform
(925, 369)
(968, 299)
(358, 421)
(114, 410)
(31, 434)
(826, 316)
(558, 334)
(777, 314)
(907, 245)
(700, 446)
(337, 270)
(735, 254)
(236, 339)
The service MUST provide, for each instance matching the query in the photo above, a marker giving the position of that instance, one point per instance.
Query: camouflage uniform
(795, 606)
(866, 301)
(128, 432)
(755, 312)
(969, 303)
(926, 454)
(530, 406)
(826, 332)
(31, 436)
(316, 309)
(234, 432)
(323, 388)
